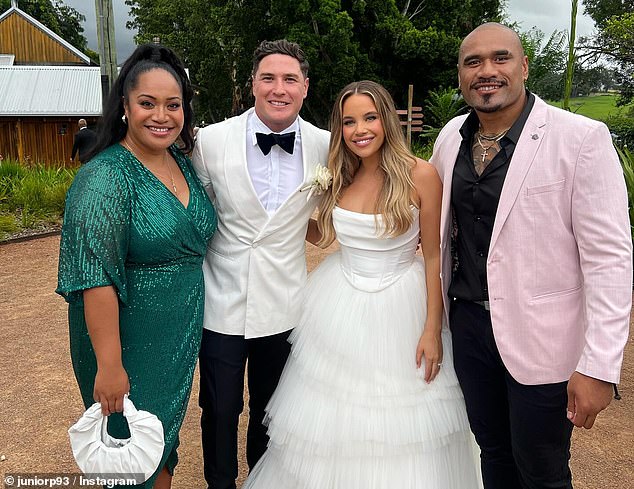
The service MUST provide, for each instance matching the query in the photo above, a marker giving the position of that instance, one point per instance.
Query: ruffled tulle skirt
(351, 410)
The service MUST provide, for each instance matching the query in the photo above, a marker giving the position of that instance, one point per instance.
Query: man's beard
(485, 107)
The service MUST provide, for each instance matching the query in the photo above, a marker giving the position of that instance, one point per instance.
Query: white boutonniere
(320, 182)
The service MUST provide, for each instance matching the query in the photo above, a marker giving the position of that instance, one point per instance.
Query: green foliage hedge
(31, 197)
(622, 126)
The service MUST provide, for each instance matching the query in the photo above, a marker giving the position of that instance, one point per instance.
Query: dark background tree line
(547, 62)
(614, 41)
(395, 42)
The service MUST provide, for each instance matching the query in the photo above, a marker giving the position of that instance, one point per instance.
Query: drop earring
(124, 119)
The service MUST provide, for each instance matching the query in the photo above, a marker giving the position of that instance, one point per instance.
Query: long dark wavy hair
(111, 128)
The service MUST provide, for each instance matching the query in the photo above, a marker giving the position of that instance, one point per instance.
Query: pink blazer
(559, 265)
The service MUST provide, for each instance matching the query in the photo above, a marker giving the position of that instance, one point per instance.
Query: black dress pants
(522, 430)
(222, 364)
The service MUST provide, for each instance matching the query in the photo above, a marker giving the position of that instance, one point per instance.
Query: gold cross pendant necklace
(493, 140)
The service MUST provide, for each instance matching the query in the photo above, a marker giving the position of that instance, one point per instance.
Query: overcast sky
(547, 15)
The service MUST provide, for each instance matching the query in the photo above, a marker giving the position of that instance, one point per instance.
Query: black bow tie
(284, 141)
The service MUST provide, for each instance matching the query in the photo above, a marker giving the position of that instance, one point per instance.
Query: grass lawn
(595, 106)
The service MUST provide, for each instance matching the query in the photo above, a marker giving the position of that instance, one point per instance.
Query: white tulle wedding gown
(351, 411)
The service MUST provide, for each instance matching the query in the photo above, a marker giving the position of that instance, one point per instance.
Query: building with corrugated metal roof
(47, 91)
(46, 85)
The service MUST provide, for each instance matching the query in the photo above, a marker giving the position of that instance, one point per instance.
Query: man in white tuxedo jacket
(536, 265)
(255, 168)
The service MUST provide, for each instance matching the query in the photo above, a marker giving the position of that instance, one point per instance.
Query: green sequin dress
(124, 228)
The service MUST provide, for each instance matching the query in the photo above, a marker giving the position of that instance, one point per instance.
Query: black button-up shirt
(475, 201)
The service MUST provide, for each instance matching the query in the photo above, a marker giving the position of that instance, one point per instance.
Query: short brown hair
(281, 46)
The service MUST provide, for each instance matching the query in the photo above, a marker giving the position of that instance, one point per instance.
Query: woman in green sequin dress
(135, 233)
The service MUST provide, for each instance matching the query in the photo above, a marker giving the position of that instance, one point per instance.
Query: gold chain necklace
(165, 161)
(169, 169)
(492, 139)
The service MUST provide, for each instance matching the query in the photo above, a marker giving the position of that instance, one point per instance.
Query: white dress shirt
(276, 175)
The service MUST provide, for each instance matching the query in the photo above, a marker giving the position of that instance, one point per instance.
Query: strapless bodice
(371, 262)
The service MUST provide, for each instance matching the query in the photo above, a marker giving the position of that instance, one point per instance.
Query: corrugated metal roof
(50, 91)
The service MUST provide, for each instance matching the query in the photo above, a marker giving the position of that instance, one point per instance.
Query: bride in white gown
(369, 398)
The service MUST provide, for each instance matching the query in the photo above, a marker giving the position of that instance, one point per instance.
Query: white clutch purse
(96, 452)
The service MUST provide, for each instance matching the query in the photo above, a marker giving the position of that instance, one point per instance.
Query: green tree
(394, 42)
(617, 38)
(416, 42)
(208, 48)
(326, 33)
(217, 47)
(614, 40)
(61, 19)
(546, 61)
(602, 10)
(597, 78)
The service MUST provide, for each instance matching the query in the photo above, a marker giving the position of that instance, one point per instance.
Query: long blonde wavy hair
(396, 162)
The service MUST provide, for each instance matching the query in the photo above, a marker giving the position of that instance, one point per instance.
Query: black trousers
(522, 430)
(222, 365)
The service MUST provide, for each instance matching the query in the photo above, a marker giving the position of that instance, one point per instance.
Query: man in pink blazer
(536, 265)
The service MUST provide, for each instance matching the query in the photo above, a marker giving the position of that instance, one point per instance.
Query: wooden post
(20, 141)
(414, 116)
(107, 48)
(410, 98)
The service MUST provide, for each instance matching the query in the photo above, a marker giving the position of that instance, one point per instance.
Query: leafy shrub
(33, 196)
(8, 225)
(42, 190)
(55, 198)
(10, 172)
(422, 149)
(441, 106)
(5, 186)
(622, 127)
(11, 169)
(28, 193)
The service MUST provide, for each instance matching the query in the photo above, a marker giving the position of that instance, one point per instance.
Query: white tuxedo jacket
(255, 267)
(559, 266)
